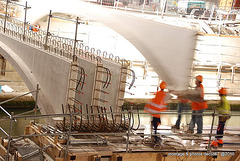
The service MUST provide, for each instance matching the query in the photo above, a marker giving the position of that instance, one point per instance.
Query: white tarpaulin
(169, 49)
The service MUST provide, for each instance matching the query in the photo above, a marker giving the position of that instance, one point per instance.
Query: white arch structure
(169, 49)
(36, 66)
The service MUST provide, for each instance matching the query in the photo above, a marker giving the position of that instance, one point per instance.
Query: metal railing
(128, 132)
(64, 47)
(12, 118)
(169, 8)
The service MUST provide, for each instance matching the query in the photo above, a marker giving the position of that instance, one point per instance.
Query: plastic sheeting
(169, 49)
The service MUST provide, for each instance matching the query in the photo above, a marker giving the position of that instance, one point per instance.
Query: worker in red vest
(157, 105)
(198, 107)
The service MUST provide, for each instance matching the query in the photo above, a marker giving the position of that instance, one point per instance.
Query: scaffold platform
(39, 144)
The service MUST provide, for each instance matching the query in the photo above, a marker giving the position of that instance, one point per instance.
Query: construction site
(89, 99)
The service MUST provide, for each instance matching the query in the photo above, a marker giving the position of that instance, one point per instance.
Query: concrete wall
(87, 92)
(51, 72)
(86, 96)
(35, 66)
(113, 88)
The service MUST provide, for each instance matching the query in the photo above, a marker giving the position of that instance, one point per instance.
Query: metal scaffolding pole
(210, 135)
(9, 137)
(128, 132)
(5, 18)
(36, 101)
(48, 33)
(25, 22)
(68, 137)
(75, 40)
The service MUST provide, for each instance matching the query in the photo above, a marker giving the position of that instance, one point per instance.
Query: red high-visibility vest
(200, 105)
(157, 104)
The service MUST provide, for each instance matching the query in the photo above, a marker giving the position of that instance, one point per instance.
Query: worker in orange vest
(157, 105)
(36, 28)
(198, 107)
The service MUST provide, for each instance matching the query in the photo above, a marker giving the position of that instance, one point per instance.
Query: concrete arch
(35, 66)
(25, 73)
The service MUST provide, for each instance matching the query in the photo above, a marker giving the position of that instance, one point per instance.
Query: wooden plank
(3, 151)
(94, 158)
(159, 157)
(58, 159)
(209, 158)
(54, 151)
(26, 131)
(18, 156)
(137, 156)
(233, 158)
(5, 143)
(55, 139)
(82, 158)
(114, 157)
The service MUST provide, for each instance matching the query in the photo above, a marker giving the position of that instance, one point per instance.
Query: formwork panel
(87, 90)
(112, 88)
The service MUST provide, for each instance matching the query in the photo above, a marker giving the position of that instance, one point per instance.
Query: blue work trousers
(197, 119)
(181, 107)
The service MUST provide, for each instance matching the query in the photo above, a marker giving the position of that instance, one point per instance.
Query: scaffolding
(56, 141)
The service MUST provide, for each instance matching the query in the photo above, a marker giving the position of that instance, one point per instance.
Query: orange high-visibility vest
(157, 104)
(35, 29)
(201, 104)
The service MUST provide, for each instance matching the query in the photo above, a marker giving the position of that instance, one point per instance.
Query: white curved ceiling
(169, 49)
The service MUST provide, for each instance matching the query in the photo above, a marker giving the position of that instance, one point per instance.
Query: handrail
(103, 113)
(69, 132)
(27, 35)
(4, 131)
(5, 111)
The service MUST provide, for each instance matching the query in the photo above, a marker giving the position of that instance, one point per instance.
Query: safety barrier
(12, 119)
(64, 47)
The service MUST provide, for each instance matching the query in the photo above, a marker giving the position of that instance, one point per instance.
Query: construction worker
(182, 105)
(157, 104)
(30, 27)
(36, 28)
(198, 107)
(224, 109)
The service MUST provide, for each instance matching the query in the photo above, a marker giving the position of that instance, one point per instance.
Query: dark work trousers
(155, 122)
(181, 107)
(197, 119)
(220, 128)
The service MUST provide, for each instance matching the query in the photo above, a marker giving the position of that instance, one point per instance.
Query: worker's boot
(190, 131)
(175, 127)
(214, 143)
(220, 142)
(158, 140)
